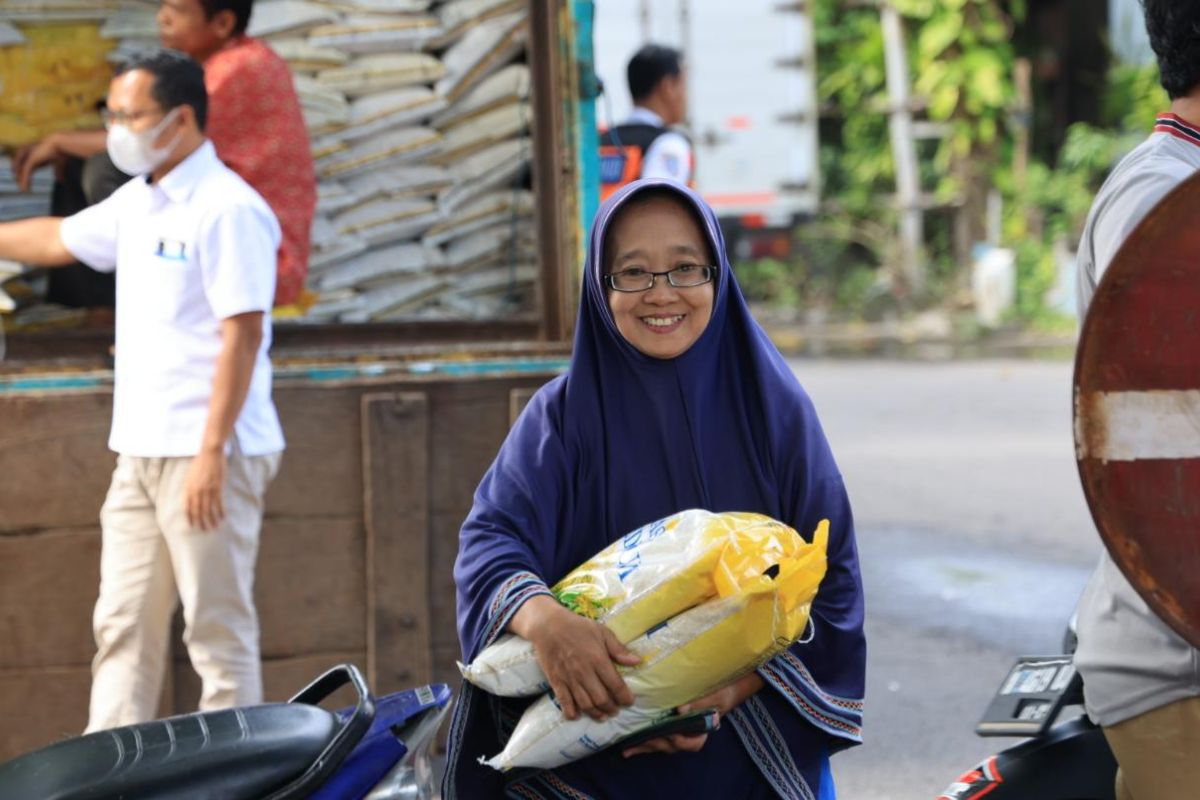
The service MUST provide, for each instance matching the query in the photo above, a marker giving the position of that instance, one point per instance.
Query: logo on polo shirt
(172, 249)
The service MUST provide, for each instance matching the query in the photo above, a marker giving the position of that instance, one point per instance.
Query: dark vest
(623, 153)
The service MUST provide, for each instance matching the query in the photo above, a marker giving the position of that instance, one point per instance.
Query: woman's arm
(578, 656)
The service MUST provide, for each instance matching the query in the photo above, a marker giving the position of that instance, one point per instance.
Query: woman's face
(658, 235)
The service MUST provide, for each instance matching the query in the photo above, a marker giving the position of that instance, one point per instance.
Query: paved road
(975, 542)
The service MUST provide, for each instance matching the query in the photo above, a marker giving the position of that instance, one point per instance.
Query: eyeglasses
(125, 117)
(640, 280)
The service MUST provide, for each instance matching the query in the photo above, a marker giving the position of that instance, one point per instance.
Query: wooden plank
(443, 535)
(470, 421)
(395, 446)
(310, 586)
(39, 707)
(54, 447)
(48, 587)
(321, 471)
(554, 82)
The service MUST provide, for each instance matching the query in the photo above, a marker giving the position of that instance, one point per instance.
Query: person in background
(646, 145)
(255, 123)
(194, 428)
(1141, 679)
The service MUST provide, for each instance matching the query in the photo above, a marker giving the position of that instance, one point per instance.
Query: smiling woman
(659, 276)
(674, 399)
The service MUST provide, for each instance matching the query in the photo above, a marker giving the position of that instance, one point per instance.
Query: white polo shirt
(195, 248)
(669, 156)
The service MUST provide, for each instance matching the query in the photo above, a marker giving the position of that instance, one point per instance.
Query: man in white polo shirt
(196, 433)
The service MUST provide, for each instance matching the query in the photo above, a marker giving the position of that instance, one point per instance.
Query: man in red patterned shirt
(254, 121)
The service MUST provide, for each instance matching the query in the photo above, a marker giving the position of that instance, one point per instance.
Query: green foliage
(962, 63)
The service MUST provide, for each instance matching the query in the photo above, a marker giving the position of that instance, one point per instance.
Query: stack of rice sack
(703, 598)
(419, 113)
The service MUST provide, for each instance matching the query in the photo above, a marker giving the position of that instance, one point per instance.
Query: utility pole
(645, 17)
(904, 150)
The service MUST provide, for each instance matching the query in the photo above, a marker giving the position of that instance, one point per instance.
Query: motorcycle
(1070, 760)
(378, 749)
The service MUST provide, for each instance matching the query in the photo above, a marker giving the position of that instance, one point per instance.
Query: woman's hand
(577, 655)
(724, 700)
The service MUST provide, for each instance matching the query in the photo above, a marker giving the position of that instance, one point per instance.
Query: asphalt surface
(975, 543)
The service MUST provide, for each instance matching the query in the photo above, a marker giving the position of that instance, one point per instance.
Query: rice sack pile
(419, 114)
(702, 598)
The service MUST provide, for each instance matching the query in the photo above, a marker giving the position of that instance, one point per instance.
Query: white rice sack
(502, 206)
(510, 84)
(333, 197)
(415, 180)
(479, 53)
(321, 105)
(459, 16)
(545, 739)
(334, 304)
(303, 56)
(375, 113)
(404, 294)
(651, 575)
(276, 17)
(388, 6)
(498, 244)
(388, 220)
(334, 253)
(497, 166)
(393, 34)
(393, 147)
(377, 73)
(479, 133)
(495, 280)
(377, 266)
(322, 234)
(766, 590)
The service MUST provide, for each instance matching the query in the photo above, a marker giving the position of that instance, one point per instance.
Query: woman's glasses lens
(640, 280)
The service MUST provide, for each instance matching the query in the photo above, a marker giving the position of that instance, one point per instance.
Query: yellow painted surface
(52, 82)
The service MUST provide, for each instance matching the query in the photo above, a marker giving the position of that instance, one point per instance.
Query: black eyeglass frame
(709, 273)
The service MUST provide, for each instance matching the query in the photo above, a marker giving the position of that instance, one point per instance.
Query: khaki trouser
(151, 559)
(1158, 752)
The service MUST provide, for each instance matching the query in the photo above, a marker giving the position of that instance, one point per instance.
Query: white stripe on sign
(1131, 426)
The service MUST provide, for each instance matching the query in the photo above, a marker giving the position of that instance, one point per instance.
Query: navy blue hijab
(623, 439)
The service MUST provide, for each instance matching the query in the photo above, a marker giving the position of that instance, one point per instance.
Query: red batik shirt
(255, 122)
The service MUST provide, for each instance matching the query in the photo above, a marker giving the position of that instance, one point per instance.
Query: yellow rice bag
(644, 578)
(756, 616)
(53, 81)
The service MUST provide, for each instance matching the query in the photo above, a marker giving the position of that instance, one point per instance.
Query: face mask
(134, 153)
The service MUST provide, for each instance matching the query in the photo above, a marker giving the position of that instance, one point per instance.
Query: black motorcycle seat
(216, 755)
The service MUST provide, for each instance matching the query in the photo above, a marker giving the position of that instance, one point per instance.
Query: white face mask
(134, 153)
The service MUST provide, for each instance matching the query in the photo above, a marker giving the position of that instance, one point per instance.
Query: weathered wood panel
(443, 537)
(55, 459)
(310, 586)
(395, 442)
(48, 587)
(41, 706)
(321, 472)
(470, 422)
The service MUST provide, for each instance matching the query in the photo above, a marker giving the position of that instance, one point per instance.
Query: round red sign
(1137, 409)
